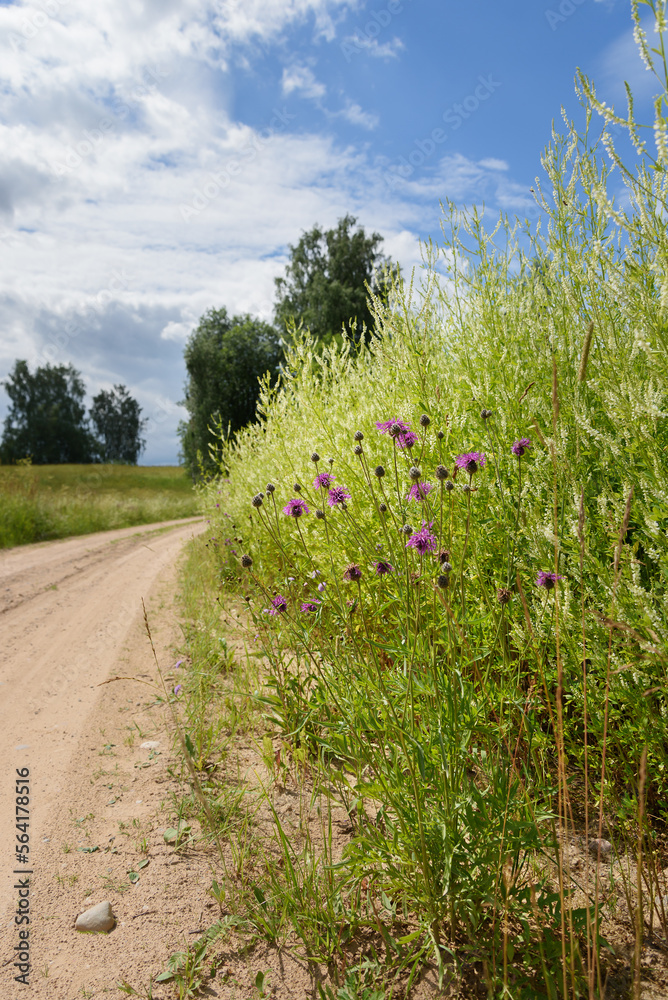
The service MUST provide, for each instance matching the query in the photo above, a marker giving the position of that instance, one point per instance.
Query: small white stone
(150, 745)
(600, 848)
(97, 919)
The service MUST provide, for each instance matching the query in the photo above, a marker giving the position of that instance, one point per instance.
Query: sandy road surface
(66, 609)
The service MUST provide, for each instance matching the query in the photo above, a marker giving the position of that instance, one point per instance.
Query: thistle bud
(358, 436)
(449, 485)
(297, 488)
(440, 435)
(443, 581)
(320, 514)
(441, 473)
(257, 499)
(382, 507)
(270, 487)
(485, 414)
(407, 530)
(315, 457)
(503, 595)
(379, 471)
(414, 473)
(246, 562)
(424, 420)
(358, 449)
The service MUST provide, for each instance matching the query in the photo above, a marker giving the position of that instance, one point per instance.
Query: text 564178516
(22, 961)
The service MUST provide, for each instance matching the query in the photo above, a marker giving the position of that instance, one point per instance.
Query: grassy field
(42, 502)
(448, 552)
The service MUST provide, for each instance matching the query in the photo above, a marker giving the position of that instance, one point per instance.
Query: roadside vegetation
(441, 561)
(42, 502)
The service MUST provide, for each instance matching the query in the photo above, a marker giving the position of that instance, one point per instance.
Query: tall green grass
(471, 720)
(38, 503)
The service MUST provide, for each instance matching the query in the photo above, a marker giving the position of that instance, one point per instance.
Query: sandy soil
(71, 618)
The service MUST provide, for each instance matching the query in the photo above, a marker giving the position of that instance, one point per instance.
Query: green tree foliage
(325, 283)
(117, 420)
(225, 358)
(47, 418)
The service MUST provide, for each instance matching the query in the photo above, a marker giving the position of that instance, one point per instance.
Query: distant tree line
(325, 289)
(47, 421)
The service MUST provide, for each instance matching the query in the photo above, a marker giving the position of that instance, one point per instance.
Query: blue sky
(159, 156)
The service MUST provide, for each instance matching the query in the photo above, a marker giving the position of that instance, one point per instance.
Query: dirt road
(70, 615)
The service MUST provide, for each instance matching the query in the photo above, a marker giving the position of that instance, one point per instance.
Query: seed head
(270, 487)
(315, 457)
(407, 530)
(246, 562)
(414, 473)
(379, 471)
(503, 595)
(441, 473)
(485, 414)
(424, 420)
(297, 488)
(449, 485)
(440, 435)
(382, 507)
(443, 581)
(358, 436)
(257, 499)
(358, 449)
(446, 566)
(320, 514)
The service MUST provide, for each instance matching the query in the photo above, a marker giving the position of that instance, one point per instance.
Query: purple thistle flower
(406, 440)
(383, 567)
(403, 436)
(385, 426)
(311, 605)
(337, 495)
(295, 507)
(423, 541)
(547, 580)
(519, 447)
(471, 461)
(352, 572)
(279, 605)
(323, 481)
(419, 491)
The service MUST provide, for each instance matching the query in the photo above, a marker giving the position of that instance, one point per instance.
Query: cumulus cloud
(301, 79)
(132, 198)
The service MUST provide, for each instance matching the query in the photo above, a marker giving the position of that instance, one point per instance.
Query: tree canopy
(225, 358)
(325, 283)
(47, 420)
(47, 417)
(116, 417)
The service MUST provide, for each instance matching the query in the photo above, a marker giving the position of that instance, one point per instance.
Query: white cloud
(301, 79)
(359, 42)
(356, 115)
(490, 163)
(117, 116)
